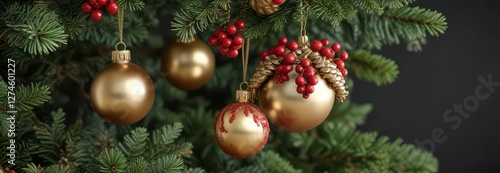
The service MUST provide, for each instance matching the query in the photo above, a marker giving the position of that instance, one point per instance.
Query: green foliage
(372, 67)
(272, 162)
(52, 137)
(194, 15)
(349, 113)
(134, 144)
(112, 161)
(167, 164)
(138, 165)
(27, 97)
(162, 143)
(133, 5)
(32, 29)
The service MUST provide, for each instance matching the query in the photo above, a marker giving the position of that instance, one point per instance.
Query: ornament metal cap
(120, 56)
(242, 96)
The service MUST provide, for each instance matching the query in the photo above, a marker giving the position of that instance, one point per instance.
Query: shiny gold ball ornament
(122, 93)
(290, 111)
(278, 92)
(241, 129)
(188, 65)
(265, 7)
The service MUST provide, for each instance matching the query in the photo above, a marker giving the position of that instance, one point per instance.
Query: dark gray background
(445, 73)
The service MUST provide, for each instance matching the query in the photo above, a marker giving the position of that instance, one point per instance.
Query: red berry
(305, 62)
(231, 29)
(10, 171)
(86, 8)
(289, 58)
(344, 55)
(237, 40)
(263, 55)
(300, 80)
(316, 45)
(102, 2)
(212, 40)
(305, 95)
(236, 47)
(94, 4)
(299, 69)
(279, 69)
(326, 52)
(312, 80)
(239, 24)
(309, 89)
(301, 89)
(336, 46)
(282, 40)
(293, 45)
(232, 53)
(218, 31)
(96, 15)
(112, 8)
(221, 36)
(279, 50)
(226, 42)
(309, 72)
(325, 42)
(223, 50)
(270, 51)
(277, 2)
(284, 78)
(344, 72)
(287, 68)
(340, 63)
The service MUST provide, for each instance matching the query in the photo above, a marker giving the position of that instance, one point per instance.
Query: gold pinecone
(265, 7)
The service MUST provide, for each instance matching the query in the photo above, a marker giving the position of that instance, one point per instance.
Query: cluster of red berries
(324, 50)
(227, 40)
(94, 8)
(306, 79)
(277, 2)
(289, 59)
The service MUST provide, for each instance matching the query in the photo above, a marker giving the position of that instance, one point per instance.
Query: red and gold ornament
(241, 129)
(318, 78)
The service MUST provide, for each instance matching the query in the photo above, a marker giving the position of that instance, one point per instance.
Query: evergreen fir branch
(52, 137)
(369, 6)
(32, 168)
(133, 5)
(222, 4)
(394, 25)
(193, 170)
(394, 3)
(162, 143)
(4, 125)
(332, 11)
(134, 144)
(167, 164)
(70, 14)
(34, 30)
(112, 161)
(272, 162)
(75, 155)
(28, 97)
(193, 15)
(3, 90)
(373, 68)
(138, 165)
(349, 113)
(56, 169)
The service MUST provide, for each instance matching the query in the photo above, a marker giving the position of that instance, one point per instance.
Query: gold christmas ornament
(288, 110)
(281, 103)
(122, 93)
(188, 65)
(241, 129)
(265, 7)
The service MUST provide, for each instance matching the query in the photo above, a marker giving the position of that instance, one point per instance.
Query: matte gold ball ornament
(297, 83)
(241, 129)
(188, 64)
(122, 93)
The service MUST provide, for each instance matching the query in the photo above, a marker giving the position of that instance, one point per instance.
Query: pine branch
(373, 68)
(349, 113)
(138, 165)
(332, 11)
(28, 97)
(193, 170)
(32, 168)
(162, 142)
(112, 161)
(167, 164)
(34, 30)
(134, 144)
(272, 162)
(69, 12)
(133, 5)
(369, 6)
(51, 137)
(194, 15)
(57, 169)
(395, 3)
